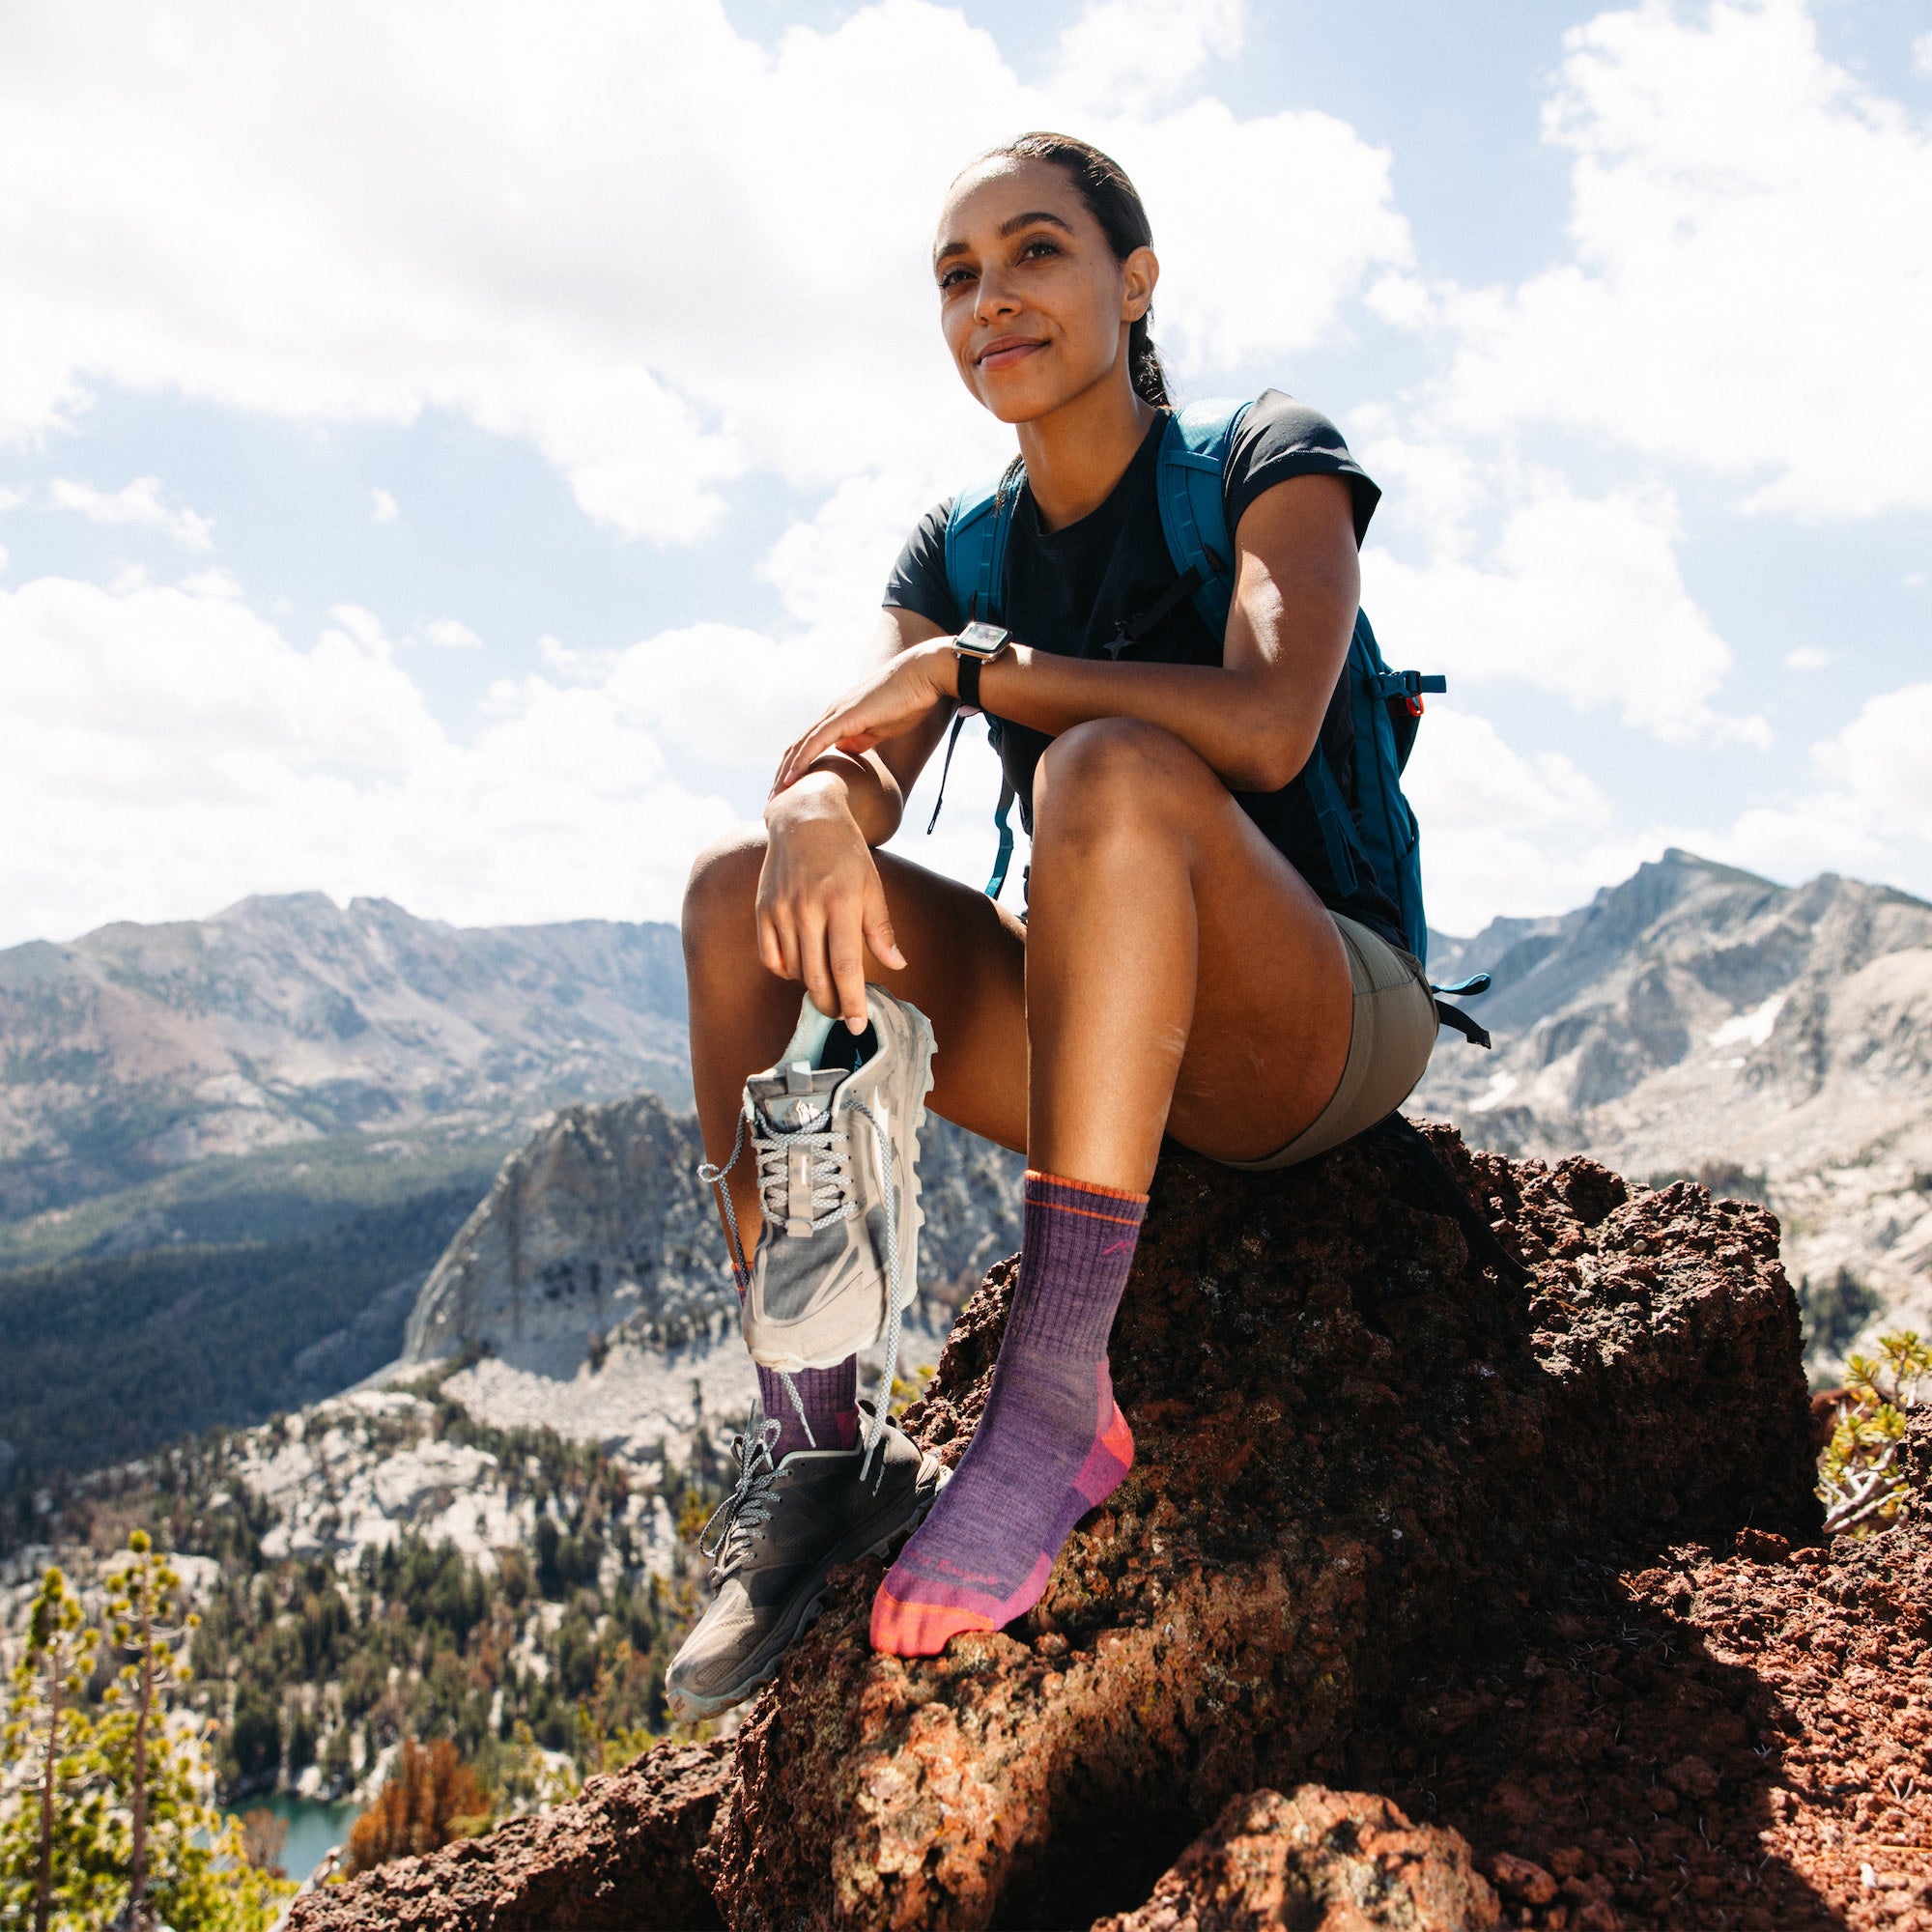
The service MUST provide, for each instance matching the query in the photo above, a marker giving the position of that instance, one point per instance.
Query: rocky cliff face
(138, 1048)
(1369, 1476)
(592, 1281)
(1696, 1018)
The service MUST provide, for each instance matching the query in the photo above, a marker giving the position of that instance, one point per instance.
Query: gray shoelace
(831, 1171)
(751, 1501)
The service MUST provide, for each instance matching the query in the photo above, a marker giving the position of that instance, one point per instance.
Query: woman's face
(1034, 307)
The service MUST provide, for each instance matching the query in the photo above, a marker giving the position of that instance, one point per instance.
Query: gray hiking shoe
(834, 1130)
(779, 1532)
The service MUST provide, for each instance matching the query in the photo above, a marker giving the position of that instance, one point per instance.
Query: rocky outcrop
(1325, 1861)
(1363, 1464)
(618, 1858)
(597, 1223)
(1699, 1019)
(592, 1284)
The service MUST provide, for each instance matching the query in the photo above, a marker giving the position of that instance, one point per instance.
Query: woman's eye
(952, 278)
(1040, 245)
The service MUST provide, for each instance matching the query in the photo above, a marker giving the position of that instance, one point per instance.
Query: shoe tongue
(795, 1096)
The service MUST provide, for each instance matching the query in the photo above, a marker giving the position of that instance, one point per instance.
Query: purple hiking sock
(1051, 1443)
(831, 1399)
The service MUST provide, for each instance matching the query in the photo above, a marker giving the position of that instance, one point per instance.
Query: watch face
(980, 640)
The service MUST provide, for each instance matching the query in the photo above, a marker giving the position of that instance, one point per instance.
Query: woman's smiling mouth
(1004, 351)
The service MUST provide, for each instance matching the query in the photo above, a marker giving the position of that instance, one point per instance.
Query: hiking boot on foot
(835, 1129)
(778, 1534)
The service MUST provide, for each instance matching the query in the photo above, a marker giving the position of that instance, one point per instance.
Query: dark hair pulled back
(1115, 203)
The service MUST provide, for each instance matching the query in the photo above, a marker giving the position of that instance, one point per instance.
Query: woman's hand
(820, 901)
(890, 700)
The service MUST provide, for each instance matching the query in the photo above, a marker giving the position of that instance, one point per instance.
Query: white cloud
(1806, 657)
(627, 233)
(1583, 598)
(1132, 53)
(1753, 235)
(1503, 833)
(729, 695)
(164, 751)
(1870, 813)
(137, 502)
(1922, 54)
(1246, 276)
(383, 506)
(833, 567)
(1878, 763)
(450, 636)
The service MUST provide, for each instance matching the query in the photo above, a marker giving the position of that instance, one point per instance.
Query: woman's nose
(993, 298)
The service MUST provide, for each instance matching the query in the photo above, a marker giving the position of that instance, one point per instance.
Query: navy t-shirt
(1075, 590)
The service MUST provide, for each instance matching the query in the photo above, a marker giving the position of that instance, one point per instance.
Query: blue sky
(443, 454)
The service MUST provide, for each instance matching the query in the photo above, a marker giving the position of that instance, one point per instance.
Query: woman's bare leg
(965, 971)
(1181, 974)
(1176, 975)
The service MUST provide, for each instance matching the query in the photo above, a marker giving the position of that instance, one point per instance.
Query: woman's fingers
(890, 703)
(812, 962)
(845, 956)
(778, 943)
(877, 924)
(840, 729)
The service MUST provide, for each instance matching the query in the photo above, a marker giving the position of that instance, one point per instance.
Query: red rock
(1692, 1777)
(1318, 1860)
(1522, 1879)
(1292, 1562)
(617, 1859)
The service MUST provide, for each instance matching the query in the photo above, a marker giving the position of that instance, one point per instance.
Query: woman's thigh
(965, 970)
(1183, 975)
(1273, 1001)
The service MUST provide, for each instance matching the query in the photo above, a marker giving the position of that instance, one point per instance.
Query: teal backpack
(1375, 828)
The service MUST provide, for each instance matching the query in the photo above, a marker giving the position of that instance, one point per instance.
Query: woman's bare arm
(875, 782)
(820, 903)
(1253, 719)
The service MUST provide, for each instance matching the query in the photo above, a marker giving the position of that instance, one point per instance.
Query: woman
(1188, 964)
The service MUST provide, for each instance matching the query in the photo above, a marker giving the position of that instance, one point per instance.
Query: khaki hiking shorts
(1388, 1048)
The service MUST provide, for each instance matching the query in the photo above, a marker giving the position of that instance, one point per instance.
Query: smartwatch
(977, 645)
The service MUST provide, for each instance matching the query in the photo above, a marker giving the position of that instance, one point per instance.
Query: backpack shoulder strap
(1194, 452)
(976, 544)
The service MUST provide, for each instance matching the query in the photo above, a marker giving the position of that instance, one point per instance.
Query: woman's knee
(1115, 772)
(723, 890)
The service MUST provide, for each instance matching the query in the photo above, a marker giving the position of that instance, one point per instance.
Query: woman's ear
(1139, 273)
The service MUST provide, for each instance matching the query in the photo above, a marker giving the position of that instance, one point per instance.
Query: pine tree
(183, 1861)
(55, 1862)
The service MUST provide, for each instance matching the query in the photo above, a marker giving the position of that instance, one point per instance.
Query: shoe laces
(750, 1503)
(828, 1173)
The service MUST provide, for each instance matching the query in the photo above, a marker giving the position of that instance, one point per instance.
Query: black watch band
(979, 644)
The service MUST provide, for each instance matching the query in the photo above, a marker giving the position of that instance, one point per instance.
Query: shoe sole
(689, 1708)
(767, 1339)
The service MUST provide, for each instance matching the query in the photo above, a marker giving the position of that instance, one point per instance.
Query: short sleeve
(918, 581)
(1280, 437)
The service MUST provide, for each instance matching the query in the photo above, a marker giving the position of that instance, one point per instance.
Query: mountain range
(1697, 1019)
(139, 1049)
(235, 1153)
